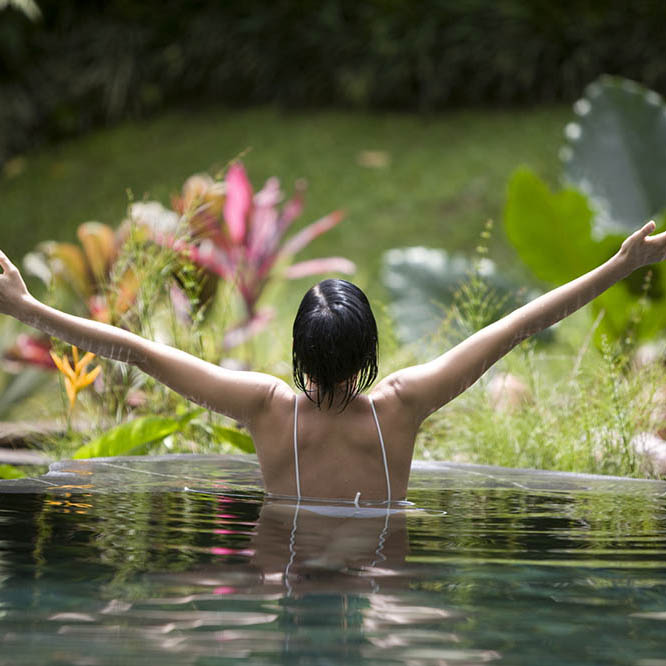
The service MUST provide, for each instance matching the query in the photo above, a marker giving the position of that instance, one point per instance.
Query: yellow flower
(76, 378)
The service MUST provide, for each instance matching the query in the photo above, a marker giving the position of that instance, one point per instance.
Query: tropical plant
(154, 275)
(615, 153)
(136, 436)
(30, 349)
(24, 360)
(89, 280)
(75, 375)
(615, 164)
(88, 271)
(143, 434)
(431, 290)
(238, 235)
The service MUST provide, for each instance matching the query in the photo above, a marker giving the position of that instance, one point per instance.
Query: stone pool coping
(224, 473)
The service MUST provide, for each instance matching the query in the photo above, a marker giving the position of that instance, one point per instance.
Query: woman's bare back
(339, 453)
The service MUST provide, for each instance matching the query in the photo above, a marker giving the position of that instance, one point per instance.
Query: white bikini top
(381, 443)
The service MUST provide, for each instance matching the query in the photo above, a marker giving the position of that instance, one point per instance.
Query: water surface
(183, 560)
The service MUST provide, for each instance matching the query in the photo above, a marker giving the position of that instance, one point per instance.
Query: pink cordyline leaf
(182, 307)
(208, 255)
(269, 195)
(31, 350)
(238, 202)
(294, 207)
(263, 235)
(320, 266)
(309, 233)
(248, 329)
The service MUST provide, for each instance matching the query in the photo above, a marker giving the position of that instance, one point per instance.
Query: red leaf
(248, 329)
(320, 266)
(269, 195)
(32, 351)
(294, 207)
(263, 235)
(309, 233)
(238, 202)
(208, 255)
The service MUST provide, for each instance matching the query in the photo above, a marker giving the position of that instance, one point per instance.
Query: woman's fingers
(655, 245)
(5, 264)
(4, 261)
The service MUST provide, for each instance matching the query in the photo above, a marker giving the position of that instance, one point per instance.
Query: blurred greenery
(614, 156)
(84, 64)
(11, 472)
(427, 287)
(442, 178)
(402, 180)
(616, 153)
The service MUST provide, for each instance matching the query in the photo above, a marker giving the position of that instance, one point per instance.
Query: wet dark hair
(335, 342)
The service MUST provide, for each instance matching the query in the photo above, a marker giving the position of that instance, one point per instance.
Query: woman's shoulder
(280, 394)
(389, 398)
(388, 392)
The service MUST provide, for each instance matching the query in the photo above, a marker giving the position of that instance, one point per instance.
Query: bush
(86, 63)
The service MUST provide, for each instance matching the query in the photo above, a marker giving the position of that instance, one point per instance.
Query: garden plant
(598, 408)
(157, 274)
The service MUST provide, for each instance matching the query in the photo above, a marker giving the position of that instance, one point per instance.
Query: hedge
(89, 62)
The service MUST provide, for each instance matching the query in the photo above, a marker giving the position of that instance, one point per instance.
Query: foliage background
(85, 63)
(450, 97)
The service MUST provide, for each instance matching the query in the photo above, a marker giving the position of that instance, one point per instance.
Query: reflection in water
(315, 548)
(506, 574)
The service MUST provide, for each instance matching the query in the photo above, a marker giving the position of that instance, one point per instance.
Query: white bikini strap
(381, 441)
(298, 480)
(292, 550)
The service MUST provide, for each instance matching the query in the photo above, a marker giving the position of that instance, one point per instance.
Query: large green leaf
(563, 248)
(134, 436)
(628, 310)
(421, 283)
(425, 283)
(550, 231)
(616, 153)
(236, 438)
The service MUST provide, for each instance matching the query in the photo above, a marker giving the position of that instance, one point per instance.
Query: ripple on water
(489, 565)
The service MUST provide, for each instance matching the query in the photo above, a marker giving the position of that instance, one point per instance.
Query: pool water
(183, 560)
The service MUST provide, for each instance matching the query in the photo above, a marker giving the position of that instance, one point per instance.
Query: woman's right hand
(13, 291)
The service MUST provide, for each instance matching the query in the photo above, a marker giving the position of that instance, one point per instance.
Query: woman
(330, 441)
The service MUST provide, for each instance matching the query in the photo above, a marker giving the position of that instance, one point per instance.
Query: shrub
(87, 63)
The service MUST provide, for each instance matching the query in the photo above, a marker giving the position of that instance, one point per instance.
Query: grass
(572, 419)
(446, 175)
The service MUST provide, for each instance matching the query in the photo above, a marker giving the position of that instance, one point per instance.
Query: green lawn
(446, 176)
(447, 173)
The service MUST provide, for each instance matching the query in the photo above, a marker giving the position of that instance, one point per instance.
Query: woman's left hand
(641, 249)
(13, 291)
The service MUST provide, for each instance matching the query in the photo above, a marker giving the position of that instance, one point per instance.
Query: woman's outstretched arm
(239, 395)
(425, 388)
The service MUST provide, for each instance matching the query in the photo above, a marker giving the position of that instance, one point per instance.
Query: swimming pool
(182, 560)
